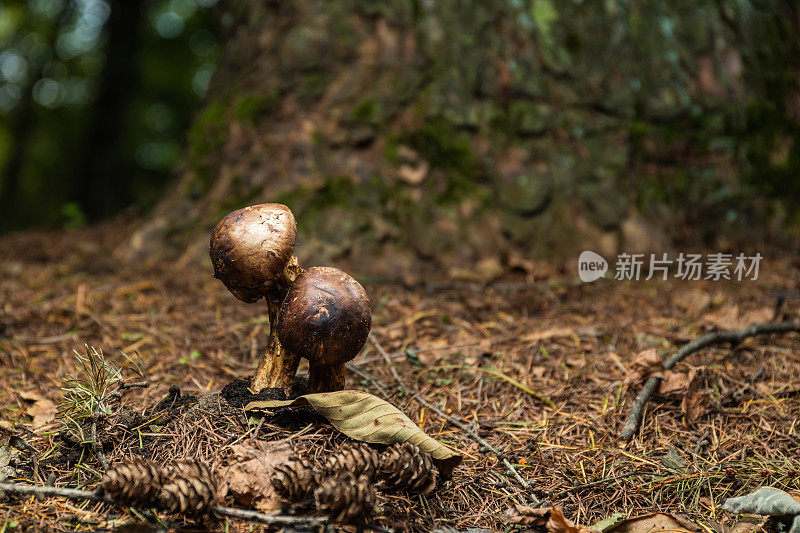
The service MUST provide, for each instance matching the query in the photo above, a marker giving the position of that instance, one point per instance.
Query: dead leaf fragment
(246, 477)
(731, 317)
(644, 365)
(655, 522)
(547, 334)
(695, 401)
(523, 515)
(559, 524)
(365, 417)
(676, 382)
(43, 410)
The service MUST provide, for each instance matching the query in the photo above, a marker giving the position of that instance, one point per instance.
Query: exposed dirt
(537, 365)
(238, 394)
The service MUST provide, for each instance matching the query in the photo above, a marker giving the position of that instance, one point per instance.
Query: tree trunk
(103, 177)
(472, 135)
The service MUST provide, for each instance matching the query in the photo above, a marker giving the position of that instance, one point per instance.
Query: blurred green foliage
(95, 100)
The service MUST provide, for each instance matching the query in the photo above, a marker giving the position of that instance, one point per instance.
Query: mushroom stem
(277, 366)
(326, 378)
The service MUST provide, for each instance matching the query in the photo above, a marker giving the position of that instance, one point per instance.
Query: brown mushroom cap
(250, 247)
(325, 317)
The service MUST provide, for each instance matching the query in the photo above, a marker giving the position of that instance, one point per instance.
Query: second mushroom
(326, 319)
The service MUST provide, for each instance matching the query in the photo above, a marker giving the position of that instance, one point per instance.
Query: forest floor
(536, 362)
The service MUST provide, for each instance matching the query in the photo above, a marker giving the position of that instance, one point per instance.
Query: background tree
(451, 133)
(458, 131)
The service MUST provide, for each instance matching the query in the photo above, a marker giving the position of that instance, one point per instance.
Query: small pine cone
(132, 482)
(186, 467)
(296, 479)
(405, 467)
(190, 487)
(345, 497)
(358, 458)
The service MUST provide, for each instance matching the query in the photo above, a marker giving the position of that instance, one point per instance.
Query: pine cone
(190, 487)
(186, 467)
(345, 498)
(296, 479)
(357, 458)
(405, 467)
(132, 482)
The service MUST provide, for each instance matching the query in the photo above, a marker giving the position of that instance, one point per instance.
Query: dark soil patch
(237, 392)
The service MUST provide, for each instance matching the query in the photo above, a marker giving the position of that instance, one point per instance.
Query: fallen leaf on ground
(731, 317)
(559, 524)
(523, 515)
(365, 417)
(43, 410)
(746, 525)
(767, 501)
(547, 334)
(607, 523)
(247, 475)
(655, 522)
(644, 365)
(695, 401)
(676, 382)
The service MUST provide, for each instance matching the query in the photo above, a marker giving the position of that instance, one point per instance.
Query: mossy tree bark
(461, 132)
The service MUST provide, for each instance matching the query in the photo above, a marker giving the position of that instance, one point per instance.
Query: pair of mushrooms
(321, 314)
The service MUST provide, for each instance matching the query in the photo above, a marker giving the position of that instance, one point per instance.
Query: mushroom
(251, 250)
(325, 318)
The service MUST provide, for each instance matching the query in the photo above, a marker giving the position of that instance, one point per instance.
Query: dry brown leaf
(644, 365)
(559, 524)
(655, 522)
(730, 317)
(365, 417)
(695, 401)
(523, 515)
(547, 334)
(43, 409)
(247, 475)
(723, 317)
(748, 525)
(677, 383)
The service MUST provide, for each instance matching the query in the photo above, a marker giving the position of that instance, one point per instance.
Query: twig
(369, 377)
(386, 357)
(416, 395)
(734, 337)
(48, 490)
(123, 385)
(20, 488)
(235, 512)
